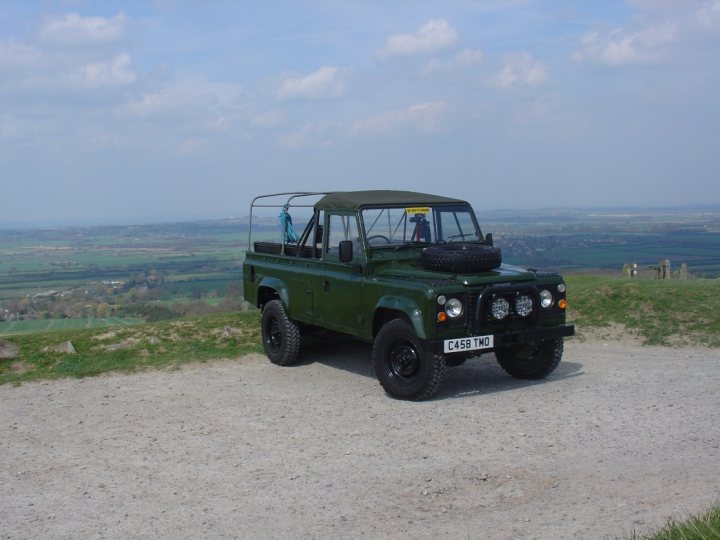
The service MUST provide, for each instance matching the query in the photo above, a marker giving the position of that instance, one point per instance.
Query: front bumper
(507, 339)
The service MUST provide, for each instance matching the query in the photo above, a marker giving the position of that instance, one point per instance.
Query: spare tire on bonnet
(461, 258)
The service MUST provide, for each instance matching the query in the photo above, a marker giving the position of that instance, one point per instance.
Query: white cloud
(114, 73)
(178, 100)
(520, 69)
(189, 94)
(199, 105)
(325, 82)
(66, 55)
(269, 119)
(28, 69)
(313, 133)
(468, 57)
(72, 30)
(620, 46)
(462, 60)
(433, 36)
(13, 53)
(425, 117)
(709, 13)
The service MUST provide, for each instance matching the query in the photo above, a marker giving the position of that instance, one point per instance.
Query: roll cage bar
(313, 223)
(291, 195)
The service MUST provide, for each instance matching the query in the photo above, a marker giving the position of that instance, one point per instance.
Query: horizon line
(147, 222)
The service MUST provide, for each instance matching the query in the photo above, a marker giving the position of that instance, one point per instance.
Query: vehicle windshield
(420, 225)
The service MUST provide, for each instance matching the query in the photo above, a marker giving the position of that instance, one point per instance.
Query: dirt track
(618, 438)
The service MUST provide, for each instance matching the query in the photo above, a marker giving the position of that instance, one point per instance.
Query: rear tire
(531, 360)
(404, 366)
(280, 334)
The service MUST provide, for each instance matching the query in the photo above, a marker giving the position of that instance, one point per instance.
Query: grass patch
(132, 348)
(8, 328)
(660, 312)
(703, 527)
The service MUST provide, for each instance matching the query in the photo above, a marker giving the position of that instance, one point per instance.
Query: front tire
(280, 334)
(404, 366)
(531, 361)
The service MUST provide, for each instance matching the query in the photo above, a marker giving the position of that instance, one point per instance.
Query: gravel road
(619, 438)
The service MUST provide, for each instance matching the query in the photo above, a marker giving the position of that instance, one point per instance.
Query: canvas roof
(352, 200)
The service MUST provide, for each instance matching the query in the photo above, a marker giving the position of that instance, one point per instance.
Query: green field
(205, 255)
(8, 328)
(604, 240)
(167, 270)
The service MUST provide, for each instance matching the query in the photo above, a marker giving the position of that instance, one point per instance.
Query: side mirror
(346, 251)
(488, 239)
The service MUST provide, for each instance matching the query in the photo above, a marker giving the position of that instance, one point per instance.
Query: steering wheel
(380, 236)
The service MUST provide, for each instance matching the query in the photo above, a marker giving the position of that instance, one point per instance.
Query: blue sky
(122, 112)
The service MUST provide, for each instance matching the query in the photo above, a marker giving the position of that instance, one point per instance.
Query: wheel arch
(272, 289)
(397, 307)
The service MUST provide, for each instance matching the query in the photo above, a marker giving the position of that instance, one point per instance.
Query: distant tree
(133, 281)
(24, 305)
(137, 294)
(102, 309)
(196, 293)
(154, 313)
(153, 294)
(154, 278)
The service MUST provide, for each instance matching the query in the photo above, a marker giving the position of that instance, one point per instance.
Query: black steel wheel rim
(403, 361)
(274, 335)
(526, 353)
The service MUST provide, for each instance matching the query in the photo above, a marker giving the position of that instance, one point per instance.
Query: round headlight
(523, 305)
(453, 308)
(546, 298)
(500, 308)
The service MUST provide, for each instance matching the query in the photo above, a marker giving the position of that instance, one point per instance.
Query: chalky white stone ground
(617, 439)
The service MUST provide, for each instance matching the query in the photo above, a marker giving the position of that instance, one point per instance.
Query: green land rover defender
(409, 272)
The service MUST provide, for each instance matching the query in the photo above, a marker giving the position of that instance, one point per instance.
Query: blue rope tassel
(289, 233)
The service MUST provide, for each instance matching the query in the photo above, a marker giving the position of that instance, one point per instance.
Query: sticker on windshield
(418, 210)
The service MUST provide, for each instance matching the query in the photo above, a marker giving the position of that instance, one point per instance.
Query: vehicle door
(341, 290)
